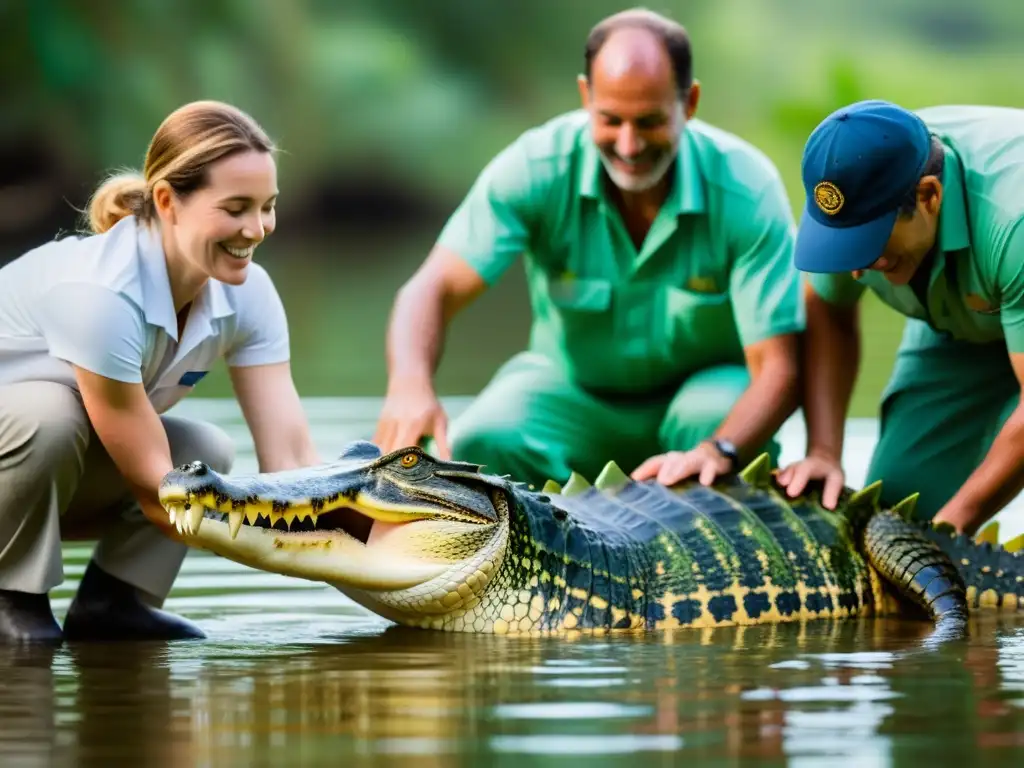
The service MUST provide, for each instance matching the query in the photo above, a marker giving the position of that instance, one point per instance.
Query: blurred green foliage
(413, 98)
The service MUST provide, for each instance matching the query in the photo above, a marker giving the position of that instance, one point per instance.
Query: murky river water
(295, 674)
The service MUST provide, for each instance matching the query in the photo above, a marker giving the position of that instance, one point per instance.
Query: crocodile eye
(410, 460)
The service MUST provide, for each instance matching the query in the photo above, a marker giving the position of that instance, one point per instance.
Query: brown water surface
(303, 677)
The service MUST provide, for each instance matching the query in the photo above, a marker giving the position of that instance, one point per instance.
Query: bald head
(633, 52)
(640, 42)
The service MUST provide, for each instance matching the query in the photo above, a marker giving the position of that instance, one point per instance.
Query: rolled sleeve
(491, 227)
(262, 337)
(764, 283)
(839, 288)
(95, 328)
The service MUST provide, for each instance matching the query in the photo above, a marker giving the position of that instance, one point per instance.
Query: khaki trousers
(57, 481)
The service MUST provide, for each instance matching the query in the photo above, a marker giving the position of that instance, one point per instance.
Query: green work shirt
(714, 273)
(976, 283)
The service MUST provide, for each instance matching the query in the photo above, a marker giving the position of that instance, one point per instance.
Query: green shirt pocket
(580, 329)
(699, 329)
(664, 332)
(581, 294)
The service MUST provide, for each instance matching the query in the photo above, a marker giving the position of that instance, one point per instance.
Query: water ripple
(585, 745)
(568, 711)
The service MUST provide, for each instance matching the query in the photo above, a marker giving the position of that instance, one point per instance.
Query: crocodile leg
(919, 571)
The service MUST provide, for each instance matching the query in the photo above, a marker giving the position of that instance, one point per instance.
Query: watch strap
(727, 449)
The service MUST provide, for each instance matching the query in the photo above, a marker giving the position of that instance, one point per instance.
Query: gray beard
(643, 183)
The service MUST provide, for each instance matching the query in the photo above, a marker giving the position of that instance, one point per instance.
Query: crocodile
(442, 545)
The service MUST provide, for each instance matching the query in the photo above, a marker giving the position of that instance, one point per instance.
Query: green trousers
(942, 408)
(532, 423)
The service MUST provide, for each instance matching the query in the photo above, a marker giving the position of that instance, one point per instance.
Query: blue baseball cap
(859, 164)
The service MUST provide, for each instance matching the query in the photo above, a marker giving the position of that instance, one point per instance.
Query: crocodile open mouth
(346, 520)
(350, 521)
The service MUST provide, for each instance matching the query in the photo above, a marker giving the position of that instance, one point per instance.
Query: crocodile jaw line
(331, 556)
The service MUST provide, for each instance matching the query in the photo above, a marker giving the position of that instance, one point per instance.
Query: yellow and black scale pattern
(622, 554)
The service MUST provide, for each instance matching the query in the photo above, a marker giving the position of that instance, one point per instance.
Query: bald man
(658, 253)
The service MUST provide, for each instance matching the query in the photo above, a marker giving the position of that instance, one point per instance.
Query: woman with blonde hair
(100, 335)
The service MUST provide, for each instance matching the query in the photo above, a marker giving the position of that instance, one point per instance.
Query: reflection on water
(304, 687)
(295, 674)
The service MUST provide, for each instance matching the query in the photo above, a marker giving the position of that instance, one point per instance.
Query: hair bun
(120, 195)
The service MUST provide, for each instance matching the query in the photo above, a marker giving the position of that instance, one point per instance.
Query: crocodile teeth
(235, 523)
(191, 520)
(195, 519)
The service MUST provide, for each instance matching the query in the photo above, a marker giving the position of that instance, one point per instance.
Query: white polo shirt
(104, 303)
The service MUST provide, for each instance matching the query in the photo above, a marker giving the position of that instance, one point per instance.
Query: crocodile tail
(993, 573)
(918, 569)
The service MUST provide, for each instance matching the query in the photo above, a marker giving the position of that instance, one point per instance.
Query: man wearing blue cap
(924, 208)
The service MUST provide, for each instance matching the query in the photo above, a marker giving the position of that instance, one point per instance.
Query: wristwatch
(727, 449)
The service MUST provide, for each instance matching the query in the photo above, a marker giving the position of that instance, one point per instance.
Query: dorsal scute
(551, 487)
(989, 533)
(611, 478)
(905, 508)
(758, 473)
(868, 496)
(360, 449)
(859, 507)
(576, 484)
(1016, 544)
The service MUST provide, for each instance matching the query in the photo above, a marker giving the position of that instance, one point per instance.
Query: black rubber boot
(26, 617)
(109, 609)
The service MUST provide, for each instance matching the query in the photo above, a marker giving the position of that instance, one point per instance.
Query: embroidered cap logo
(828, 197)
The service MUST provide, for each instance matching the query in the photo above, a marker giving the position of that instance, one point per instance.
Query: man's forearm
(996, 481)
(830, 363)
(415, 334)
(762, 409)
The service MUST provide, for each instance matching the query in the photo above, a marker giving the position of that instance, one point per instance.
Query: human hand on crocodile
(672, 467)
(816, 466)
(409, 414)
(962, 518)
